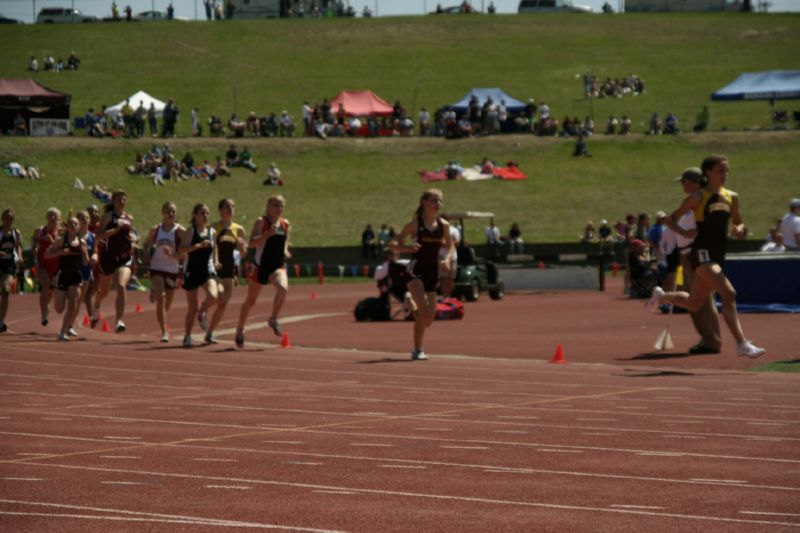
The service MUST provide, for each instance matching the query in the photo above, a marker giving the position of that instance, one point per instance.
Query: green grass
(779, 366)
(334, 188)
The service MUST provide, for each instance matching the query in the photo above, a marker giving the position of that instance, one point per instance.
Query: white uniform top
(686, 222)
(160, 261)
(790, 226)
(455, 237)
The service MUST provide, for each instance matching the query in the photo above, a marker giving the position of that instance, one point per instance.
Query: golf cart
(475, 275)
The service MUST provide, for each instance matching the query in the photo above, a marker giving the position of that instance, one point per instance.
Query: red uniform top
(46, 238)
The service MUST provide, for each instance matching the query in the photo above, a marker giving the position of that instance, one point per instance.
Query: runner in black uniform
(230, 239)
(200, 266)
(10, 260)
(71, 252)
(429, 232)
(270, 239)
(116, 231)
(714, 206)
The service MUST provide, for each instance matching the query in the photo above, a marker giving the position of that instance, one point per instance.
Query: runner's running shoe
(655, 299)
(748, 349)
(202, 318)
(120, 326)
(187, 341)
(210, 338)
(418, 355)
(239, 339)
(273, 323)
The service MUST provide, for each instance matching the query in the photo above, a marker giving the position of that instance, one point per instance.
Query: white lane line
(520, 417)
(550, 450)
(121, 483)
(768, 513)
(120, 457)
(766, 424)
(432, 429)
(654, 507)
(718, 480)
(228, 487)
(511, 431)
(111, 437)
(465, 447)
(304, 463)
(212, 460)
(372, 444)
(597, 419)
(343, 492)
(683, 437)
(22, 479)
(443, 497)
(662, 454)
(409, 467)
(283, 442)
(136, 516)
(767, 439)
(599, 434)
(506, 471)
(31, 454)
(57, 419)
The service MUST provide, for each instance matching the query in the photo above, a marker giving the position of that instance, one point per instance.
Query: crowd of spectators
(372, 244)
(253, 125)
(616, 88)
(50, 64)
(160, 164)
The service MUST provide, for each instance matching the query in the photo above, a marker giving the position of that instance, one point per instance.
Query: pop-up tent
(32, 100)
(134, 100)
(497, 95)
(770, 85)
(362, 104)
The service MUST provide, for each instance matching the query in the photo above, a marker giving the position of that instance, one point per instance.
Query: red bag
(450, 309)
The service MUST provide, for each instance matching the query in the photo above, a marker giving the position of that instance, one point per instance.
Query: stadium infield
(342, 432)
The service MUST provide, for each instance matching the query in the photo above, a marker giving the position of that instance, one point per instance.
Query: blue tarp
(773, 84)
(765, 282)
(512, 104)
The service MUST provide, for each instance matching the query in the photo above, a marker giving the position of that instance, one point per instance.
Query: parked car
(475, 274)
(54, 15)
(551, 6)
(6, 20)
(151, 15)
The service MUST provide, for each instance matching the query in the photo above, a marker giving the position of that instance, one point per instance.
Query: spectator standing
(493, 240)
(655, 234)
(139, 117)
(368, 242)
(703, 119)
(196, 128)
(515, 241)
(151, 120)
(424, 122)
(384, 236)
(790, 226)
(168, 117)
(208, 4)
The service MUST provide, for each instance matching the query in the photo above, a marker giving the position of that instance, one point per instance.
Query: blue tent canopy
(497, 95)
(770, 85)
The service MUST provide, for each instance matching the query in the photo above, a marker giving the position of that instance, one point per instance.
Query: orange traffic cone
(559, 356)
(139, 308)
(86, 320)
(540, 265)
(313, 295)
(285, 342)
(106, 328)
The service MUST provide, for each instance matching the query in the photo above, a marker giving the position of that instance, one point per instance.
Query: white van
(51, 15)
(551, 6)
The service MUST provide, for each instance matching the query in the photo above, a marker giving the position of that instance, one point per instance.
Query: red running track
(118, 432)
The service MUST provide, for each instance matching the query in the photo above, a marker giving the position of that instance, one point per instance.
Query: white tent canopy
(134, 99)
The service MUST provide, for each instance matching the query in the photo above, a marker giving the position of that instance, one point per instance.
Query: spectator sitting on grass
(581, 148)
(625, 125)
(33, 64)
(232, 157)
(671, 124)
(215, 126)
(273, 175)
(702, 120)
(73, 62)
(246, 160)
(220, 169)
(286, 125)
(655, 125)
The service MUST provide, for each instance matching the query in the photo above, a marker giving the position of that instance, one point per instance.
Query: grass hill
(335, 187)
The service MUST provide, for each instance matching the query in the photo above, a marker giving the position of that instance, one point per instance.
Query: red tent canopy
(25, 90)
(361, 103)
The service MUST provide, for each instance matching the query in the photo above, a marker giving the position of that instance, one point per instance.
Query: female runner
(10, 261)
(197, 243)
(161, 246)
(713, 206)
(428, 232)
(270, 239)
(70, 251)
(230, 237)
(46, 269)
(116, 229)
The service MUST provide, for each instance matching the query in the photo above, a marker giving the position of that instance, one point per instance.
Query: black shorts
(110, 263)
(673, 260)
(64, 280)
(227, 271)
(701, 256)
(8, 268)
(428, 276)
(195, 280)
(263, 272)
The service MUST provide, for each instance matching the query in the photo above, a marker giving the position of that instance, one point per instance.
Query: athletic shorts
(64, 280)
(8, 268)
(110, 263)
(702, 256)
(429, 276)
(170, 278)
(195, 280)
(262, 274)
(673, 260)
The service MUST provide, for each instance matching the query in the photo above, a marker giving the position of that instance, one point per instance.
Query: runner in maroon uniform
(46, 269)
(115, 228)
(70, 252)
(428, 232)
